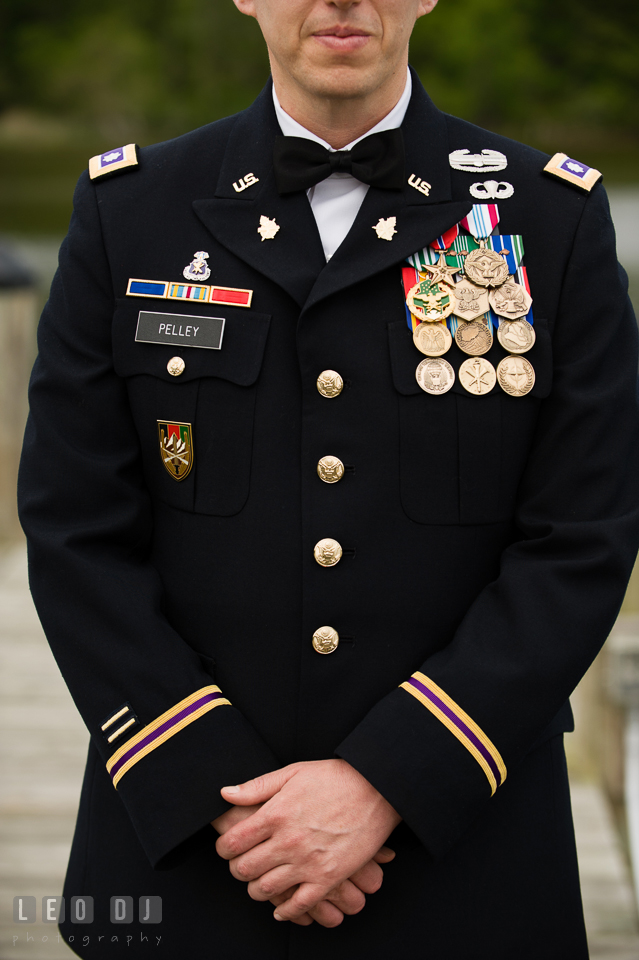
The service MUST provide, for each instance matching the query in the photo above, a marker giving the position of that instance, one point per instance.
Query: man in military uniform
(330, 486)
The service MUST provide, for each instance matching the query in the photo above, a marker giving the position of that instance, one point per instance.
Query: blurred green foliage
(560, 74)
(164, 66)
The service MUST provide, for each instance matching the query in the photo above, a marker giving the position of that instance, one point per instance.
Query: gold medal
(471, 301)
(432, 339)
(486, 267)
(435, 376)
(477, 376)
(474, 338)
(516, 336)
(516, 376)
(511, 301)
(429, 301)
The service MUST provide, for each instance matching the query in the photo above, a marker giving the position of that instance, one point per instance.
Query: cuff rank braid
(162, 728)
(460, 725)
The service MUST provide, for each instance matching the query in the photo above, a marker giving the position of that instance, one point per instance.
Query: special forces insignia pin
(176, 448)
(198, 269)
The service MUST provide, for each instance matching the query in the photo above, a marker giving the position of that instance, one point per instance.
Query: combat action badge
(176, 448)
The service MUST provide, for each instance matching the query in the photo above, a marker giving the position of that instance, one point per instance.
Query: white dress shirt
(335, 202)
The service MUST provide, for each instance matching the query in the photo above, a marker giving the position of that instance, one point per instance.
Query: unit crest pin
(198, 269)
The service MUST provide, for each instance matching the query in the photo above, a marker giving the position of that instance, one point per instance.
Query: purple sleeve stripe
(462, 726)
(161, 730)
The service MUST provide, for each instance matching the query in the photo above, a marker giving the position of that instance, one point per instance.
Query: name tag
(180, 330)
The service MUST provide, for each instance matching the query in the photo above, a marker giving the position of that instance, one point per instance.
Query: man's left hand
(319, 823)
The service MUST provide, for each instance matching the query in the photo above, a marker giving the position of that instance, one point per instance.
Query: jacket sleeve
(439, 746)
(168, 736)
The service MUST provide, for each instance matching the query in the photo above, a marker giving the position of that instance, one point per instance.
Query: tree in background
(153, 68)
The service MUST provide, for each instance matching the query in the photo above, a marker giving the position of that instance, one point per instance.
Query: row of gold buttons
(328, 552)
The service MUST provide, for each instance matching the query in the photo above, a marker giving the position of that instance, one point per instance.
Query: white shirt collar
(392, 120)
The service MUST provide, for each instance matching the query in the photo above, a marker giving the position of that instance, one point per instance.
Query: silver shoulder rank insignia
(579, 174)
(490, 161)
(245, 182)
(491, 190)
(198, 269)
(385, 229)
(176, 448)
(268, 228)
(113, 160)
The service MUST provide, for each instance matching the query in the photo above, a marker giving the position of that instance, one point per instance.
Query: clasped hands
(309, 838)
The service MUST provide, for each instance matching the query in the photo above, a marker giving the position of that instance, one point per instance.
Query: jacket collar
(294, 259)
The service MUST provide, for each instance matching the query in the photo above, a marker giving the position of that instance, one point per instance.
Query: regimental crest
(176, 448)
(198, 269)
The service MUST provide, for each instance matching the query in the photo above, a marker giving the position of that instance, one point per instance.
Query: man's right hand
(348, 898)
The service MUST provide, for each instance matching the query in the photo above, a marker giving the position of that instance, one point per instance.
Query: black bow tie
(377, 160)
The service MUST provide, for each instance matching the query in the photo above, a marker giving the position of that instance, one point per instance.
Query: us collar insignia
(166, 290)
(245, 182)
(579, 174)
(421, 185)
(198, 269)
(113, 160)
(176, 448)
(268, 228)
(385, 229)
(490, 161)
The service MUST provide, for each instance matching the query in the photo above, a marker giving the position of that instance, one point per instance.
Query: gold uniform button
(330, 469)
(325, 640)
(327, 552)
(176, 366)
(330, 384)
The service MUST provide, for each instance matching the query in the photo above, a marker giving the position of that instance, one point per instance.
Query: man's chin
(340, 81)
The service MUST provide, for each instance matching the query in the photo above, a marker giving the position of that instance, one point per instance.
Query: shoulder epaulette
(579, 174)
(113, 161)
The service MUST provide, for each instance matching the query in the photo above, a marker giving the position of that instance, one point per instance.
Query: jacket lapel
(294, 257)
(420, 218)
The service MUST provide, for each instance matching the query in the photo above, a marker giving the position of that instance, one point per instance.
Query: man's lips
(342, 39)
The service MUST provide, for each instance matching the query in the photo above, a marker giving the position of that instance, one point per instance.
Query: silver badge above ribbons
(490, 161)
(492, 190)
(198, 269)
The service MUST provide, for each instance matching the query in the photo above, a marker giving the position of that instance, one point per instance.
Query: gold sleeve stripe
(163, 728)
(460, 725)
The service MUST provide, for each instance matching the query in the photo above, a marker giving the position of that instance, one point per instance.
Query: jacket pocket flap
(238, 359)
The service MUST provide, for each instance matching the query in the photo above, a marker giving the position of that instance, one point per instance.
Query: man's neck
(338, 121)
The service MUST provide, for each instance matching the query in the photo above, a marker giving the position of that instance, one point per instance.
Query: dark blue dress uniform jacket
(487, 542)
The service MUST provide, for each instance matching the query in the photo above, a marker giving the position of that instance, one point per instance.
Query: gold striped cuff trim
(455, 730)
(166, 734)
